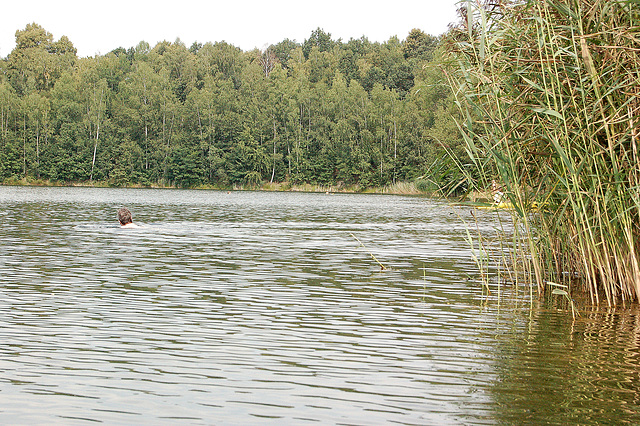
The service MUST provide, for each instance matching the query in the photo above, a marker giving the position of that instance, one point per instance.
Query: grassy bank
(400, 188)
(550, 92)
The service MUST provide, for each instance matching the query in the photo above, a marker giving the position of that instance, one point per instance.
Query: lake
(261, 307)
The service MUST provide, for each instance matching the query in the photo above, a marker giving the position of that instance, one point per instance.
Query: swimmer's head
(124, 216)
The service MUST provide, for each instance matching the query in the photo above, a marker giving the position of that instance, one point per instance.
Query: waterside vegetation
(419, 186)
(550, 95)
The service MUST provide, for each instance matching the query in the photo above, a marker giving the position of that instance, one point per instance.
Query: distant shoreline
(400, 188)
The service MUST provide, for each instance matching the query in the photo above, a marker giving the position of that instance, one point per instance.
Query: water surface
(250, 308)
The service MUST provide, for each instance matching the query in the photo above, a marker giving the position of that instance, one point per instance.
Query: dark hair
(124, 216)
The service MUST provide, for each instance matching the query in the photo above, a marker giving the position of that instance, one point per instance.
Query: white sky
(97, 27)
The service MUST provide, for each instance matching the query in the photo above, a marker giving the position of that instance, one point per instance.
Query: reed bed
(550, 95)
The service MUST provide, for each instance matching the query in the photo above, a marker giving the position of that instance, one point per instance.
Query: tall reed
(550, 92)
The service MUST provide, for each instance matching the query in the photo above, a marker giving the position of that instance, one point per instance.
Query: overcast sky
(97, 27)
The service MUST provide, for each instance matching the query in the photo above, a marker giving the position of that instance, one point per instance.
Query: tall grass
(550, 92)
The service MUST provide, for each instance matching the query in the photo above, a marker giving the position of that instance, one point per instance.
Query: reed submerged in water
(550, 93)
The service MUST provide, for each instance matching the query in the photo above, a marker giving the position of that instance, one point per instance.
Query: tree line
(323, 111)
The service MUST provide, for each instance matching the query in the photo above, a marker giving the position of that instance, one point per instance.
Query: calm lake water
(253, 308)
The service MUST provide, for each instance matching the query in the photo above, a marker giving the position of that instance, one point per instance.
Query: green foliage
(550, 100)
(318, 112)
(37, 61)
(318, 39)
(284, 51)
(419, 45)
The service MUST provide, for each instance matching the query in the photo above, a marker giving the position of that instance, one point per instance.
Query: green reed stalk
(550, 92)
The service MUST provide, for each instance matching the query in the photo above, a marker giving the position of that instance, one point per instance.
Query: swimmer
(124, 217)
(496, 190)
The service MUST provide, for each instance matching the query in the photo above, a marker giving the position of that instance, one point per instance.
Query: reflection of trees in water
(557, 371)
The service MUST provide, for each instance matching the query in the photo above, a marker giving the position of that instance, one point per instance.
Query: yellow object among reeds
(497, 206)
(506, 205)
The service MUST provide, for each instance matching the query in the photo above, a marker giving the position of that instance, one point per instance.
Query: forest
(355, 114)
